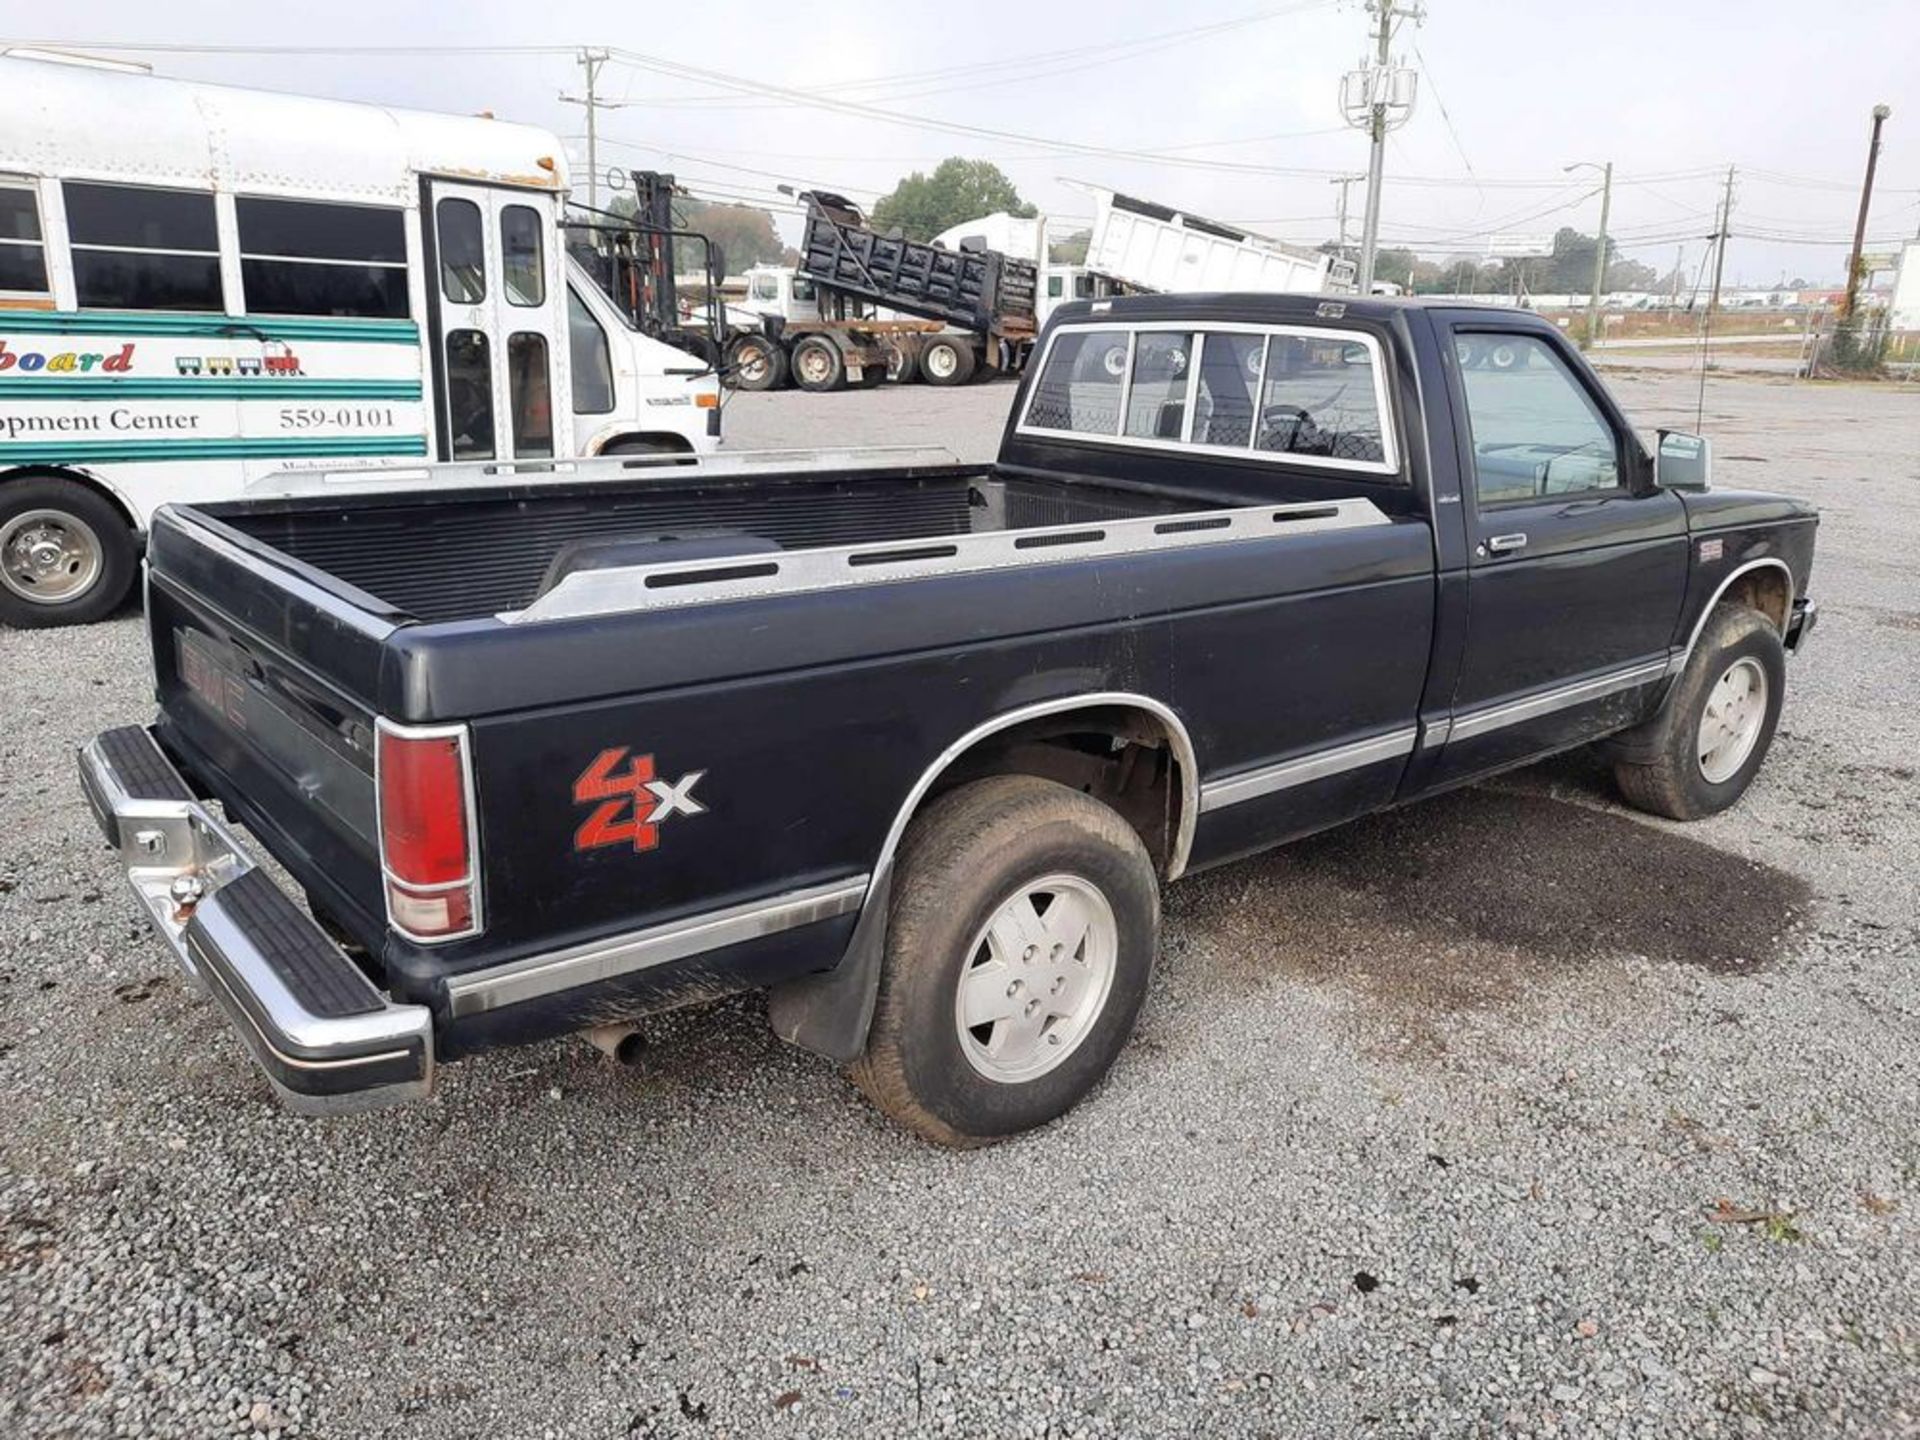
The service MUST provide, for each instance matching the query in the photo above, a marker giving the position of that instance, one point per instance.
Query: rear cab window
(1293, 394)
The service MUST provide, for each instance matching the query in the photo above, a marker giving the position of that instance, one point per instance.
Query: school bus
(202, 285)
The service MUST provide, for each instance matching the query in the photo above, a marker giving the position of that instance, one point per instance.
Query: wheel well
(1128, 759)
(647, 441)
(1766, 589)
(87, 482)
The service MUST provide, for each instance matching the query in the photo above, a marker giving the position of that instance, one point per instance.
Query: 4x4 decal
(630, 805)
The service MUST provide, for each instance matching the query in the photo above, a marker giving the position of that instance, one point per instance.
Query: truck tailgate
(268, 678)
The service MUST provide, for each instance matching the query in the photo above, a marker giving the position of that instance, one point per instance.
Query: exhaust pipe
(624, 1043)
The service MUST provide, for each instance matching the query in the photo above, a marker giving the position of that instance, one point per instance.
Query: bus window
(522, 265)
(23, 260)
(591, 361)
(136, 248)
(528, 395)
(299, 257)
(469, 393)
(463, 262)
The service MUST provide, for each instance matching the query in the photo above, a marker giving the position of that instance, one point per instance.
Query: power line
(1018, 70)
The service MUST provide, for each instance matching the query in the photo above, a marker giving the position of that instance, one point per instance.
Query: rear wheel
(946, 361)
(757, 363)
(1024, 923)
(1699, 754)
(66, 554)
(817, 365)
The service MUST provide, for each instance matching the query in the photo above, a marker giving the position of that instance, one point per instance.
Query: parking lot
(1512, 1113)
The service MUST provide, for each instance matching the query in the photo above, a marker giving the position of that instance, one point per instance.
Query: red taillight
(426, 847)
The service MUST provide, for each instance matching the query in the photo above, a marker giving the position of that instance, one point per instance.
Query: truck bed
(466, 555)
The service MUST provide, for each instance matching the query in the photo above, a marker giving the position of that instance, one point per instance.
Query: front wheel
(757, 363)
(1024, 923)
(66, 555)
(1699, 754)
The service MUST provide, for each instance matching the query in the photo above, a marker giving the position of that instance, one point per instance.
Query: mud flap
(830, 1013)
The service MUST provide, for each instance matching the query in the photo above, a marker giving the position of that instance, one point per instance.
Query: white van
(202, 285)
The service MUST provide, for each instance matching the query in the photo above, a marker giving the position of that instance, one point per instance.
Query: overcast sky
(1671, 91)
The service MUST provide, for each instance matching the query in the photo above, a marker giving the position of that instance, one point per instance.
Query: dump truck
(954, 312)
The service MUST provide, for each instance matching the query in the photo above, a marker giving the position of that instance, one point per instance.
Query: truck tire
(1699, 754)
(1021, 935)
(757, 363)
(903, 359)
(816, 365)
(66, 554)
(946, 361)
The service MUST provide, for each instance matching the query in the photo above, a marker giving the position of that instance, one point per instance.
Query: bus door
(498, 331)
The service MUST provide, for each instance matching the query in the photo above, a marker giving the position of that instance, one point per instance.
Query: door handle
(1505, 544)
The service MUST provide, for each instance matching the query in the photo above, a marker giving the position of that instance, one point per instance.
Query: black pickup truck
(912, 747)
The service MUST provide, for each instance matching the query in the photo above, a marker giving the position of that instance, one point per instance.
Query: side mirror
(1683, 461)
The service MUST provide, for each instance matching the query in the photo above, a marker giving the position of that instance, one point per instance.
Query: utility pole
(1600, 257)
(591, 59)
(1880, 114)
(1378, 98)
(1600, 246)
(1720, 250)
(1344, 182)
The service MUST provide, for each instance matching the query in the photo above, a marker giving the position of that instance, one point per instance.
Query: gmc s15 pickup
(913, 746)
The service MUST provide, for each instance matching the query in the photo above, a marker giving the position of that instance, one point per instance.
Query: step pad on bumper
(326, 1037)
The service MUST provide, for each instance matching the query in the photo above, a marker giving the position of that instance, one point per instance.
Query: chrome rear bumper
(327, 1039)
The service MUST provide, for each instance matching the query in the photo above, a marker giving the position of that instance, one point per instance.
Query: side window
(591, 362)
(765, 287)
(523, 267)
(23, 259)
(803, 289)
(136, 248)
(1157, 400)
(1056, 286)
(1536, 432)
(299, 257)
(1079, 390)
(529, 395)
(1318, 398)
(469, 395)
(463, 251)
(1229, 378)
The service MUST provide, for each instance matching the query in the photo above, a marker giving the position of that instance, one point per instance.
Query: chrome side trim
(1252, 784)
(1680, 661)
(1546, 702)
(1186, 766)
(598, 960)
(630, 589)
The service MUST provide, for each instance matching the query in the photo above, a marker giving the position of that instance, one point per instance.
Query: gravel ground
(1510, 1114)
